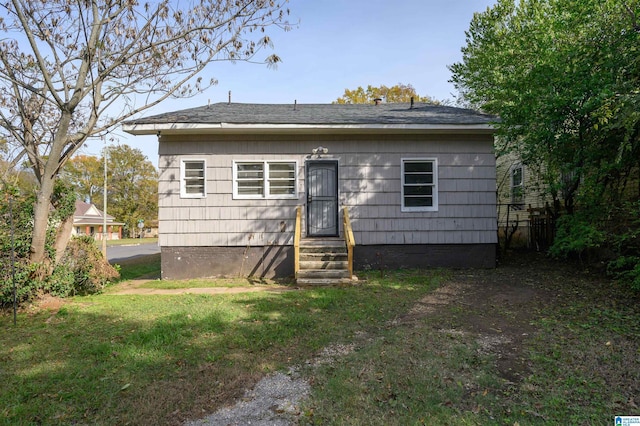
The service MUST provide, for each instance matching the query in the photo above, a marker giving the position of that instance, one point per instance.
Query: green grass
(148, 267)
(411, 374)
(139, 267)
(110, 359)
(582, 368)
(130, 241)
(202, 283)
(585, 360)
(405, 377)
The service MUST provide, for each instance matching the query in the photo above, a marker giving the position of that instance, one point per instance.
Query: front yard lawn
(109, 359)
(531, 342)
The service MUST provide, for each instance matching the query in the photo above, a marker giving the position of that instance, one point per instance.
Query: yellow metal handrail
(349, 239)
(296, 240)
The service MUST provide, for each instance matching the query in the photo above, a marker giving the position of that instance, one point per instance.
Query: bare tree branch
(86, 61)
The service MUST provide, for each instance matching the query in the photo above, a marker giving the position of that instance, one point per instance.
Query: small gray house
(238, 180)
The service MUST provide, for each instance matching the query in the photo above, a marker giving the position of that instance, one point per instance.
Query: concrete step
(323, 281)
(323, 264)
(323, 273)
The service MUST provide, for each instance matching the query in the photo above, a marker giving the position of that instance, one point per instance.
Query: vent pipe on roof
(295, 103)
(229, 97)
(411, 107)
(377, 101)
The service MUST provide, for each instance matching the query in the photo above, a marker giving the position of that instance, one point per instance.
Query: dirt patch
(451, 292)
(47, 303)
(497, 307)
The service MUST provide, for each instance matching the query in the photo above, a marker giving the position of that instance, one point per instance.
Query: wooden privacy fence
(542, 227)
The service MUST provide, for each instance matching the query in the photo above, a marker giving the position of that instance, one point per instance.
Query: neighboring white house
(88, 220)
(419, 182)
(522, 199)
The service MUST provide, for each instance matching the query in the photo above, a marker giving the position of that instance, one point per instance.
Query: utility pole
(104, 204)
(13, 259)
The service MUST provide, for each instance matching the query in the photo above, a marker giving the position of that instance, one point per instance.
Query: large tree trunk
(42, 207)
(41, 221)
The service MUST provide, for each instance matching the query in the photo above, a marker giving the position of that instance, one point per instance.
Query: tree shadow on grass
(164, 359)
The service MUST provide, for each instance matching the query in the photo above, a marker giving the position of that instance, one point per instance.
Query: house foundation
(270, 262)
(425, 256)
(274, 262)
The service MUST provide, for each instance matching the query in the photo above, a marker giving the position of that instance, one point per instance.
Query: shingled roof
(89, 214)
(312, 116)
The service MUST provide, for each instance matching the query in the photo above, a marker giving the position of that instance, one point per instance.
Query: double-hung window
(517, 184)
(193, 179)
(265, 179)
(419, 185)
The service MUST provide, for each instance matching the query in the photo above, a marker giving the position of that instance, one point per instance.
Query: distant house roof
(229, 117)
(89, 214)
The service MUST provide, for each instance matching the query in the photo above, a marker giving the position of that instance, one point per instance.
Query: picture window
(265, 179)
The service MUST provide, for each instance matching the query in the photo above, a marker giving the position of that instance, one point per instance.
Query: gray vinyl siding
(369, 184)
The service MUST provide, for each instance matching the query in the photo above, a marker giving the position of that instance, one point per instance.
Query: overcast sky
(340, 44)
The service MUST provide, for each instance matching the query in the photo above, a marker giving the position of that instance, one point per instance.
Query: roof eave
(225, 128)
(95, 222)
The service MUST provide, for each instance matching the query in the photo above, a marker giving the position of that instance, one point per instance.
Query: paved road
(119, 253)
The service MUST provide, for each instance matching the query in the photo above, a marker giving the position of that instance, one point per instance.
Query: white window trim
(434, 207)
(266, 192)
(512, 187)
(183, 192)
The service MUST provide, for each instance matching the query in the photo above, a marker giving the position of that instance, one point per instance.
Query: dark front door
(322, 198)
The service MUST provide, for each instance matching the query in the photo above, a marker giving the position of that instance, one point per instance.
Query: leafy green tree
(70, 71)
(132, 184)
(564, 77)
(132, 187)
(86, 174)
(398, 93)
